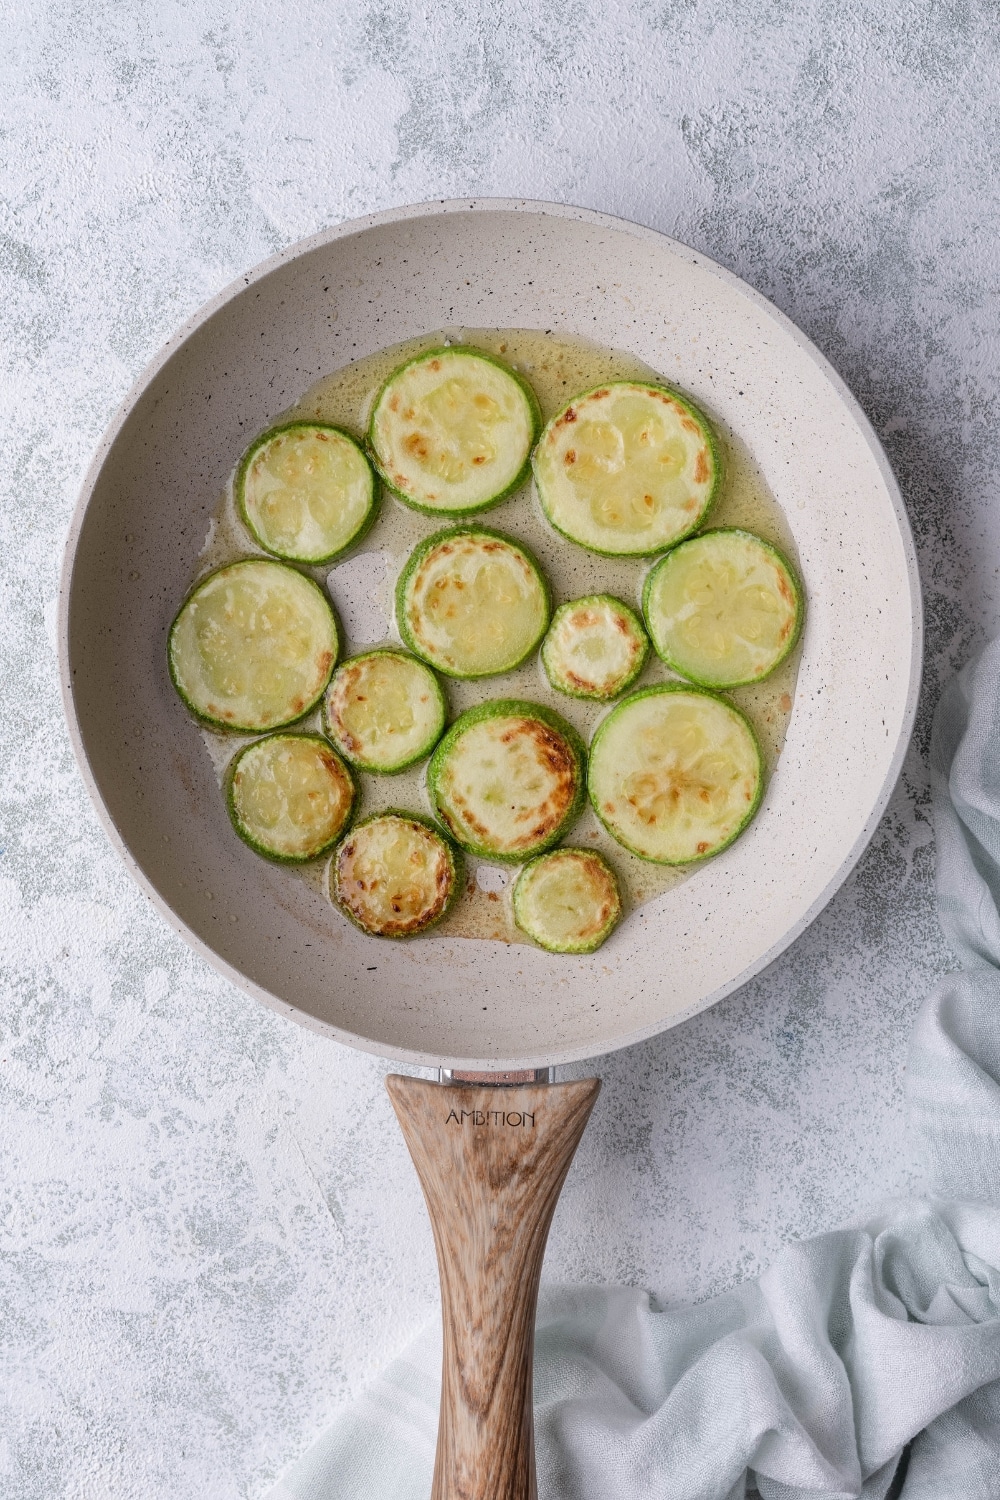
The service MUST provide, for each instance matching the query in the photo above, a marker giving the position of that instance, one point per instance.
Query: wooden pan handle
(491, 1162)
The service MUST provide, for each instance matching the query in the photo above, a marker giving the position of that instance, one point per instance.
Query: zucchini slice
(675, 773)
(452, 431)
(305, 491)
(724, 608)
(595, 648)
(507, 779)
(471, 602)
(289, 796)
(253, 646)
(395, 875)
(627, 469)
(567, 900)
(384, 711)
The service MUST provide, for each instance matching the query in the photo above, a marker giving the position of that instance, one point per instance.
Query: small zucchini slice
(395, 875)
(289, 796)
(253, 646)
(595, 648)
(567, 900)
(305, 491)
(675, 773)
(452, 431)
(627, 469)
(724, 608)
(507, 779)
(384, 711)
(471, 602)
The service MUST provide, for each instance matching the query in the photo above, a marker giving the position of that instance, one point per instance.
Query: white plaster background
(209, 1232)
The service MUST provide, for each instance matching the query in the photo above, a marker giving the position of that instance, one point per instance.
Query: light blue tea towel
(811, 1380)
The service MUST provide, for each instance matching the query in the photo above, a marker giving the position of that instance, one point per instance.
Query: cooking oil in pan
(362, 587)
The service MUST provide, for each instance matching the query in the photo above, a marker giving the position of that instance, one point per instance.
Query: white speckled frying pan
(142, 519)
(470, 1003)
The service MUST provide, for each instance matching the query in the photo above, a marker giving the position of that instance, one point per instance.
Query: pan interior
(143, 520)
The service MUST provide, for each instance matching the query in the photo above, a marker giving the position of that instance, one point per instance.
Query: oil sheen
(362, 585)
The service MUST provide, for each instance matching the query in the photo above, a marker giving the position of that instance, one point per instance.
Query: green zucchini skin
(630, 625)
(454, 870)
(670, 560)
(336, 735)
(239, 491)
(567, 758)
(219, 721)
(531, 920)
(326, 753)
(595, 770)
(693, 411)
(458, 534)
(504, 493)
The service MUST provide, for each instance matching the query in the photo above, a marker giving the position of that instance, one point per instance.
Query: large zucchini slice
(253, 646)
(724, 608)
(627, 469)
(289, 796)
(567, 900)
(395, 875)
(595, 648)
(675, 773)
(507, 779)
(305, 491)
(384, 711)
(452, 431)
(471, 602)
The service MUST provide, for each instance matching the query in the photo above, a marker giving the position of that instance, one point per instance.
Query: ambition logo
(514, 1118)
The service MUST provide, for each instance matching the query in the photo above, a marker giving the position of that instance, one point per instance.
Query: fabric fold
(851, 1347)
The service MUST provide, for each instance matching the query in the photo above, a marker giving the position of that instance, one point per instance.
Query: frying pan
(473, 1006)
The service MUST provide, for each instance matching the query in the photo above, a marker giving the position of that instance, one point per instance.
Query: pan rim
(436, 208)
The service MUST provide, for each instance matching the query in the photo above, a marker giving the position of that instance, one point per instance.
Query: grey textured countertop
(210, 1234)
